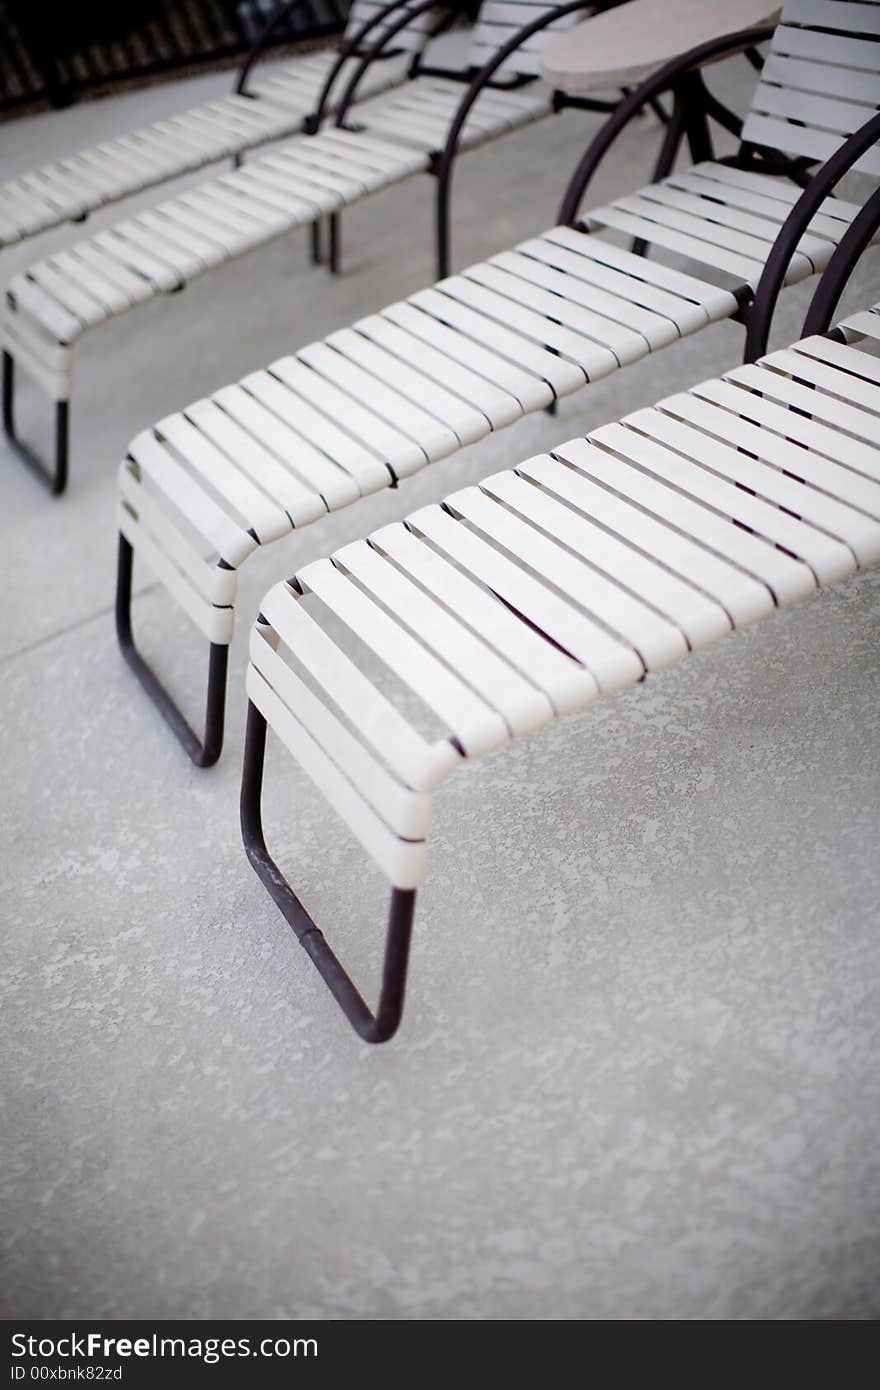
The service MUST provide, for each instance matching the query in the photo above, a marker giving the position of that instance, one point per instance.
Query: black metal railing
(52, 54)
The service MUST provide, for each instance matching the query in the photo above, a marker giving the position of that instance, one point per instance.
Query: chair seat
(722, 218)
(402, 388)
(162, 249)
(727, 219)
(568, 577)
(420, 113)
(73, 187)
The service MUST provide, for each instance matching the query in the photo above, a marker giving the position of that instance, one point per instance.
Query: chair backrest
(412, 39)
(499, 20)
(821, 80)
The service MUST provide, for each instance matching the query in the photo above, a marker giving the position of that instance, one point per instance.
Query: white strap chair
(49, 306)
(275, 106)
(372, 404)
(547, 585)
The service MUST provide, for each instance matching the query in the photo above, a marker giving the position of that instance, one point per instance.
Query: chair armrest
(444, 160)
(275, 20)
(348, 48)
(855, 240)
(484, 76)
(375, 51)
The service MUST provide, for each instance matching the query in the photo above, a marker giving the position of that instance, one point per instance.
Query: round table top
(621, 47)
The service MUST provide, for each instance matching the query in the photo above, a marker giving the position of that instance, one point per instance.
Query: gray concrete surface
(637, 1076)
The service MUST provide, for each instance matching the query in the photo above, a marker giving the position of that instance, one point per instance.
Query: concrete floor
(637, 1076)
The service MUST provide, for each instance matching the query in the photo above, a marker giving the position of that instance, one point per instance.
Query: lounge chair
(50, 305)
(255, 113)
(209, 485)
(547, 585)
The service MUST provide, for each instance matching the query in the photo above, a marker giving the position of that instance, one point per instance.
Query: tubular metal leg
(373, 1028)
(334, 255)
(441, 224)
(202, 754)
(315, 242)
(56, 478)
(699, 136)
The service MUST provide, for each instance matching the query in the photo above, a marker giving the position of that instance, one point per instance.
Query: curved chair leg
(373, 1028)
(55, 479)
(202, 754)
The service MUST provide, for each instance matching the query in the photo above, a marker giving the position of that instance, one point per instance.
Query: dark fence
(52, 53)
